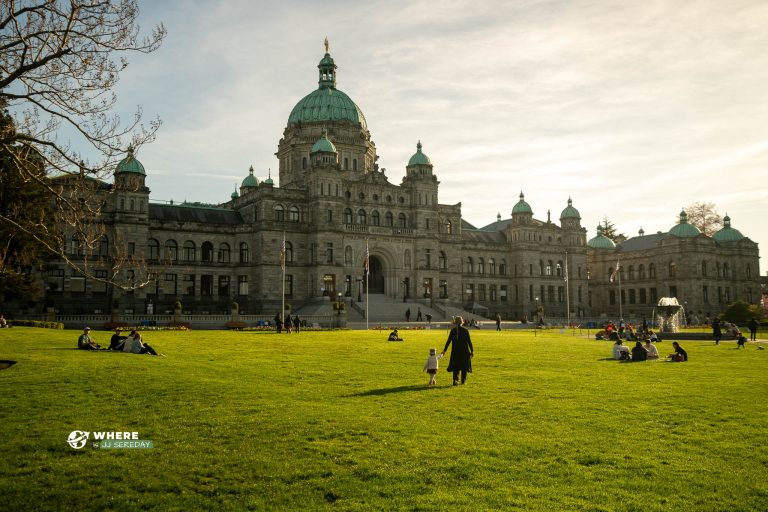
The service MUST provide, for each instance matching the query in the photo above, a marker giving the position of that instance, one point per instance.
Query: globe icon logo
(77, 439)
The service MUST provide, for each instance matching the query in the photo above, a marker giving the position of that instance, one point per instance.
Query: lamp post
(339, 305)
(538, 312)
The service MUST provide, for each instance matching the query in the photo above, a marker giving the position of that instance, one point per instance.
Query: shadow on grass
(398, 389)
(4, 364)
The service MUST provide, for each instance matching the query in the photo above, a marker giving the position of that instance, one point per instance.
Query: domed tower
(727, 233)
(521, 212)
(325, 109)
(324, 154)
(249, 183)
(683, 229)
(570, 218)
(131, 192)
(600, 241)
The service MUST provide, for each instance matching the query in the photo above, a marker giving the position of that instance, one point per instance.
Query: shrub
(181, 326)
(36, 323)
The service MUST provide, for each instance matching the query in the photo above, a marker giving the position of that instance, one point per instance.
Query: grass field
(344, 421)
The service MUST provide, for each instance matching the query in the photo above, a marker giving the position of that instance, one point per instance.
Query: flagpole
(618, 271)
(567, 293)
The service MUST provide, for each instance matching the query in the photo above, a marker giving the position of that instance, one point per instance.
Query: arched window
(748, 271)
(154, 249)
(347, 216)
(401, 221)
(480, 266)
(346, 163)
(348, 256)
(704, 268)
(207, 252)
(279, 213)
(641, 272)
(503, 267)
(293, 214)
(103, 248)
(388, 219)
(76, 245)
(224, 253)
(288, 252)
(652, 270)
(631, 272)
(244, 254)
(375, 218)
(188, 251)
(354, 164)
(448, 227)
(726, 270)
(559, 269)
(407, 258)
(171, 250)
(492, 266)
(672, 269)
(442, 261)
(361, 217)
(549, 267)
(468, 267)
(304, 162)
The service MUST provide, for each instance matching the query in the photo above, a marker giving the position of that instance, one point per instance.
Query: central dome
(327, 103)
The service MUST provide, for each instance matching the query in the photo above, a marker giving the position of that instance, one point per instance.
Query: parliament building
(333, 203)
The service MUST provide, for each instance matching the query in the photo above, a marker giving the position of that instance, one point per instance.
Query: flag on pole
(566, 271)
(367, 260)
(615, 272)
(282, 254)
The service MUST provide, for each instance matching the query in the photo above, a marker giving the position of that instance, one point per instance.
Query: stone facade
(334, 203)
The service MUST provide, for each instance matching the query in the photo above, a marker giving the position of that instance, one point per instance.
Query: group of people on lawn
(133, 343)
(646, 352)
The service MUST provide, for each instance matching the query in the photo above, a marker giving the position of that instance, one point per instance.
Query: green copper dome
(130, 164)
(522, 206)
(250, 180)
(727, 233)
(418, 157)
(323, 145)
(327, 103)
(234, 194)
(570, 212)
(683, 229)
(601, 241)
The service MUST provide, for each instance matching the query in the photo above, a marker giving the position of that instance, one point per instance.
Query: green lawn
(344, 421)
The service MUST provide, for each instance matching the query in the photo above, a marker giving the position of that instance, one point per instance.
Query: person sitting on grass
(134, 344)
(680, 355)
(4, 323)
(741, 341)
(639, 353)
(84, 342)
(653, 353)
(394, 337)
(116, 342)
(619, 351)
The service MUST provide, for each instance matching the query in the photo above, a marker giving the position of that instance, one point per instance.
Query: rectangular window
(443, 289)
(288, 285)
(242, 285)
(206, 285)
(632, 296)
(705, 294)
(470, 292)
(99, 286)
(131, 248)
(580, 300)
(152, 284)
(481, 292)
(492, 293)
(329, 252)
(76, 282)
(612, 297)
(131, 279)
(719, 294)
(223, 286)
(428, 256)
(654, 296)
(643, 298)
(503, 293)
(188, 287)
(727, 295)
(330, 216)
(673, 291)
(56, 281)
(170, 285)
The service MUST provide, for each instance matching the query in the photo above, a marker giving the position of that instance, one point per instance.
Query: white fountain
(670, 314)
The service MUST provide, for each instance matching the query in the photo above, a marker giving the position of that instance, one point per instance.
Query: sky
(632, 109)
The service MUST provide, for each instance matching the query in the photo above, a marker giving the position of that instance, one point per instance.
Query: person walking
(753, 329)
(461, 352)
(431, 366)
(408, 315)
(418, 315)
(717, 333)
(498, 321)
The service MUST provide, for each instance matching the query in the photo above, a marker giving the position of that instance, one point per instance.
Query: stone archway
(376, 277)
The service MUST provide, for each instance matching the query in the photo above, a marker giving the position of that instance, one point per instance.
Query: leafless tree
(704, 216)
(59, 64)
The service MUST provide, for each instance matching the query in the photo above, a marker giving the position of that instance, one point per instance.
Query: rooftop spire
(327, 45)
(327, 69)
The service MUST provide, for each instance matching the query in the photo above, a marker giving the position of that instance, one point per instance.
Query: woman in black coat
(461, 353)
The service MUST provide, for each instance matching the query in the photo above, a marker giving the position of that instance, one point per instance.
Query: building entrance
(376, 278)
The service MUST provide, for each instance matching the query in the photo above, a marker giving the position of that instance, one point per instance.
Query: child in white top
(431, 365)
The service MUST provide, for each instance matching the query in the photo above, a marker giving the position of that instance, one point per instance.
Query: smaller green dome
(727, 233)
(269, 181)
(323, 145)
(522, 206)
(418, 157)
(601, 241)
(130, 164)
(683, 229)
(234, 194)
(570, 212)
(250, 180)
